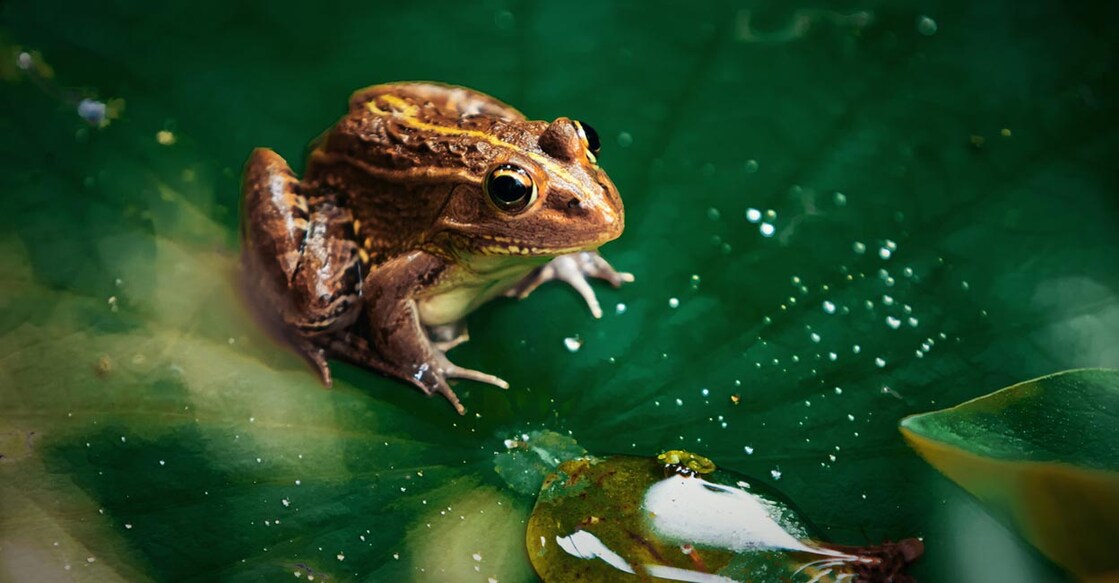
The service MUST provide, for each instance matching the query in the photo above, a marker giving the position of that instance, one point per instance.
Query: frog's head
(541, 194)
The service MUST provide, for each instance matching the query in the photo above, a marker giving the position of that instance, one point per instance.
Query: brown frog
(420, 204)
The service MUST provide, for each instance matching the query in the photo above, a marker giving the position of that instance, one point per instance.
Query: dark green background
(1013, 243)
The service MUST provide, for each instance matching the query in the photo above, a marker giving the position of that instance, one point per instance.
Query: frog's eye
(589, 137)
(510, 188)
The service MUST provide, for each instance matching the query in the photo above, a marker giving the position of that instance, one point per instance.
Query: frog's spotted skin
(419, 205)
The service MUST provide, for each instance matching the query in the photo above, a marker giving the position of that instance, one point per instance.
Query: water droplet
(856, 349)
(814, 337)
(912, 322)
(713, 213)
(887, 300)
(893, 322)
(885, 253)
(879, 362)
(341, 557)
(832, 356)
(776, 473)
(753, 215)
(165, 138)
(285, 502)
(751, 166)
(679, 402)
(766, 230)
(840, 199)
(926, 25)
(859, 247)
(625, 140)
(704, 392)
(749, 450)
(829, 307)
(673, 303)
(620, 309)
(573, 343)
(477, 556)
(850, 417)
(92, 111)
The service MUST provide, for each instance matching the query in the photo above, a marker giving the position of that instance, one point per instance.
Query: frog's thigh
(303, 249)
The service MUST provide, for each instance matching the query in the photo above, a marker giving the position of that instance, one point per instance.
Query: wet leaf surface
(837, 217)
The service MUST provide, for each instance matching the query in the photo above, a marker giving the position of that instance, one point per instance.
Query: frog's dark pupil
(593, 143)
(507, 188)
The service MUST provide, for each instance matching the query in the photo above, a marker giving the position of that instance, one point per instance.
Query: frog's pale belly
(463, 290)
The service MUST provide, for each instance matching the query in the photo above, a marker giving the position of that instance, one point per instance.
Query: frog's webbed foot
(574, 269)
(398, 344)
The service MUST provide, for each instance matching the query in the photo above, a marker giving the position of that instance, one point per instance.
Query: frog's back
(395, 157)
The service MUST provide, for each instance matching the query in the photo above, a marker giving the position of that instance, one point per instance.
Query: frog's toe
(457, 372)
(444, 389)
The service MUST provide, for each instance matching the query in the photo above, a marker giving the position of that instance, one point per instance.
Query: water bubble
(713, 213)
(829, 307)
(751, 166)
(705, 392)
(856, 349)
(885, 253)
(859, 247)
(887, 300)
(749, 450)
(893, 322)
(832, 356)
(912, 322)
(679, 402)
(840, 199)
(776, 473)
(625, 140)
(850, 417)
(838, 391)
(93, 111)
(620, 309)
(814, 337)
(879, 362)
(766, 230)
(926, 25)
(573, 343)
(770, 215)
(673, 303)
(753, 215)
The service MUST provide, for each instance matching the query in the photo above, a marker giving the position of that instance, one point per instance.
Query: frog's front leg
(573, 268)
(302, 267)
(398, 342)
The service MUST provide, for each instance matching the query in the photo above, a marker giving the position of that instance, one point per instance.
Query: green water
(943, 220)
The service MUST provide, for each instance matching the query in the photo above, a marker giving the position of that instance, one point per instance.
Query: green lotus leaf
(1044, 454)
(837, 216)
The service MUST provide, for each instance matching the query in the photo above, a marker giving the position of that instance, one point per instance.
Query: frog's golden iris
(510, 188)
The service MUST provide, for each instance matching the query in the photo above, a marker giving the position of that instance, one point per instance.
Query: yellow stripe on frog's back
(408, 114)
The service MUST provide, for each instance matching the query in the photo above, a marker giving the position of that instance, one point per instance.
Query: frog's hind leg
(574, 269)
(302, 265)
